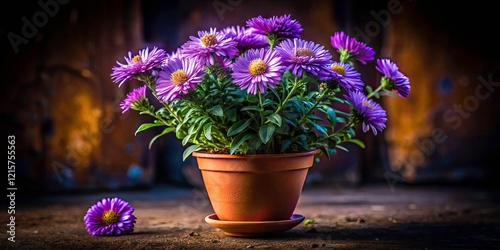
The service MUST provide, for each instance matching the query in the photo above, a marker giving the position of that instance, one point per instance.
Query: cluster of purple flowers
(256, 57)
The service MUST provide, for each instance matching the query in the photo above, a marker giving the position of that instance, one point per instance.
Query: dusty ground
(368, 217)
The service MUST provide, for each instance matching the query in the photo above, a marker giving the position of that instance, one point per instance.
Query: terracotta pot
(254, 187)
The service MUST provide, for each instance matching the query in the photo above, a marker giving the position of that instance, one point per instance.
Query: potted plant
(256, 105)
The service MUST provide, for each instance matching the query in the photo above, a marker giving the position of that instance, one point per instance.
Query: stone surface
(366, 217)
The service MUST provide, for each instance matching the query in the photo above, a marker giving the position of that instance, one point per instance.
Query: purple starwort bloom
(133, 99)
(394, 79)
(367, 111)
(144, 62)
(110, 216)
(299, 56)
(209, 44)
(245, 38)
(177, 77)
(257, 69)
(175, 54)
(282, 27)
(349, 48)
(346, 76)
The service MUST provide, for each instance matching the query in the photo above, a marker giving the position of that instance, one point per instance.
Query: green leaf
(268, 102)
(343, 148)
(255, 142)
(267, 113)
(286, 120)
(332, 151)
(192, 129)
(285, 145)
(343, 113)
(165, 131)
(186, 139)
(237, 141)
(315, 118)
(283, 130)
(357, 142)
(147, 126)
(207, 130)
(178, 127)
(188, 151)
(310, 79)
(238, 127)
(351, 133)
(188, 116)
(303, 144)
(231, 115)
(254, 108)
(180, 134)
(276, 119)
(309, 222)
(287, 74)
(325, 151)
(276, 94)
(320, 128)
(338, 100)
(217, 111)
(252, 99)
(266, 132)
(369, 89)
(389, 93)
(331, 116)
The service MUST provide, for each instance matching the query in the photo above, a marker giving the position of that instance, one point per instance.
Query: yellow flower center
(304, 52)
(367, 104)
(339, 69)
(257, 67)
(136, 59)
(179, 77)
(110, 217)
(208, 40)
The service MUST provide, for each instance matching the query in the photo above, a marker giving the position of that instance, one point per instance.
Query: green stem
(338, 133)
(261, 104)
(285, 101)
(271, 43)
(156, 116)
(375, 91)
(318, 100)
(349, 125)
(150, 83)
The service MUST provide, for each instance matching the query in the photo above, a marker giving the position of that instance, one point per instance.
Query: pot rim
(199, 154)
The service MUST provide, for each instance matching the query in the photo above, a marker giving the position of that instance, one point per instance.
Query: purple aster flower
(367, 111)
(349, 48)
(133, 99)
(299, 55)
(278, 27)
(246, 38)
(110, 216)
(144, 62)
(394, 79)
(175, 54)
(209, 44)
(177, 77)
(346, 76)
(257, 70)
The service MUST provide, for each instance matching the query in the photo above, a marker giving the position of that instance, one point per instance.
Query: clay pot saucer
(253, 228)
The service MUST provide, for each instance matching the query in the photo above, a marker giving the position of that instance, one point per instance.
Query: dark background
(59, 101)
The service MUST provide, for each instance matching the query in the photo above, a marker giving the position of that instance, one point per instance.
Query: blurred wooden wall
(448, 128)
(63, 108)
